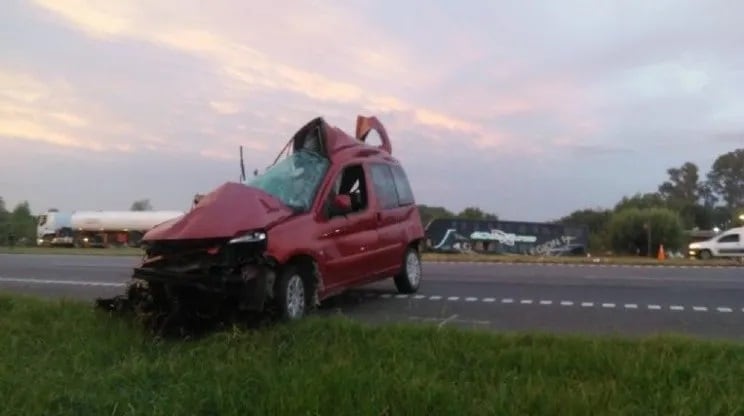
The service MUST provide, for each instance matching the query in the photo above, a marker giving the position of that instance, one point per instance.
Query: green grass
(64, 358)
(454, 257)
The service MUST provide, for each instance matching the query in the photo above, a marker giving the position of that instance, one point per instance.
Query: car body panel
(218, 215)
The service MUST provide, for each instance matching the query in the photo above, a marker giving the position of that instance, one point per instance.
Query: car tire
(291, 294)
(705, 255)
(409, 279)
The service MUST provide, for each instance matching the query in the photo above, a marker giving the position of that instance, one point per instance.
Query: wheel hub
(295, 297)
(413, 268)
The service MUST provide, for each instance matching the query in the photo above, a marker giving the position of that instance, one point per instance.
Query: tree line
(640, 223)
(686, 200)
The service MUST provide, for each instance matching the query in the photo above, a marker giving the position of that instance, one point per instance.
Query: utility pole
(647, 227)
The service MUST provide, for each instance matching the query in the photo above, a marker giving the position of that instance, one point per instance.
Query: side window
(730, 238)
(351, 182)
(382, 177)
(405, 194)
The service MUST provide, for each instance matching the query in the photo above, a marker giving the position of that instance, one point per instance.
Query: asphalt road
(705, 301)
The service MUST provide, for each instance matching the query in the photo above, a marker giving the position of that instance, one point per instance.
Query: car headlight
(250, 237)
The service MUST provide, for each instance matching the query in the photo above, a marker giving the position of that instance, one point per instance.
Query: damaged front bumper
(210, 270)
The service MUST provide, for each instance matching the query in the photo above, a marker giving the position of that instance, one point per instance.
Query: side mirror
(342, 204)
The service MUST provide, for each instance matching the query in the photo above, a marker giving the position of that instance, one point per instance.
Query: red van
(333, 214)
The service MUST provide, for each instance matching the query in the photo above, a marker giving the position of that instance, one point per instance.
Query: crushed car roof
(336, 144)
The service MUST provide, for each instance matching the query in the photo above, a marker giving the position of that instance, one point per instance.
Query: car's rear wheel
(409, 279)
(291, 294)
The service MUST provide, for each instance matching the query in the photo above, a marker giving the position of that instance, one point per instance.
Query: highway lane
(607, 299)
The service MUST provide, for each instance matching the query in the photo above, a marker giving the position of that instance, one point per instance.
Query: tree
(627, 230)
(595, 220)
(22, 224)
(429, 214)
(641, 201)
(4, 222)
(683, 192)
(683, 184)
(141, 205)
(475, 213)
(726, 178)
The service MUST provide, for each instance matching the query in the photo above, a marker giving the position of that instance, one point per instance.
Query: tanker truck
(97, 228)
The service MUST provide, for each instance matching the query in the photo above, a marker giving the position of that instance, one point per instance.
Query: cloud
(245, 64)
(35, 111)
(530, 100)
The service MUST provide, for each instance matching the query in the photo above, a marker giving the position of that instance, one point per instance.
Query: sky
(529, 110)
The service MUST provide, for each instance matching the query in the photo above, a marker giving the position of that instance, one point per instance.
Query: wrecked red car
(334, 213)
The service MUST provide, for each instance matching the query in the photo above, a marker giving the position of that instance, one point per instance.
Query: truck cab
(729, 243)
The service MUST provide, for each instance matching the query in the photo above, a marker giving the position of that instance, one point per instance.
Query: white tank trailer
(98, 228)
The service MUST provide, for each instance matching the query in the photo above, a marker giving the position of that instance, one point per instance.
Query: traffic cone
(661, 255)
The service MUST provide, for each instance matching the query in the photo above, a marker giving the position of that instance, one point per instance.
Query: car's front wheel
(291, 294)
(409, 279)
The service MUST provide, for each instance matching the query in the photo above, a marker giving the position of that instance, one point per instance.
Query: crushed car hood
(226, 211)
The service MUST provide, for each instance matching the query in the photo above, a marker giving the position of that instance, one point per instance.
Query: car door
(729, 244)
(390, 217)
(349, 241)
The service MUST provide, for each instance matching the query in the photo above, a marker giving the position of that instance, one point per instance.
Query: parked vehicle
(97, 228)
(334, 214)
(729, 243)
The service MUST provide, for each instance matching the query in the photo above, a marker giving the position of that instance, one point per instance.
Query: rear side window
(730, 238)
(405, 194)
(382, 178)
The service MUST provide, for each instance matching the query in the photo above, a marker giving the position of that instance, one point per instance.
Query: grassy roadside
(61, 357)
(442, 257)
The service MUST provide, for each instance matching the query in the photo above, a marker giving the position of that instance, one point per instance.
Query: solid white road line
(60, 282)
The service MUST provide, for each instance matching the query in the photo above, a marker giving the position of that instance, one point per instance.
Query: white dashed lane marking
(566, 303)
(469, 299)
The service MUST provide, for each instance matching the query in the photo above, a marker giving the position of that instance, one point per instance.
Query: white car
(729, 243)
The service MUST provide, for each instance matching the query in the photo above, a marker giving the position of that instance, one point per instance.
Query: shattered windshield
(295, 179)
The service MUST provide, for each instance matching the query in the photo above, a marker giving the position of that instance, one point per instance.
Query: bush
(626, 230)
